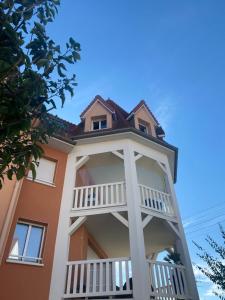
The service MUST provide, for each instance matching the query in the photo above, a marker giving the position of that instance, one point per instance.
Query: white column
(62, 238)
(141, 289)
(181, 245)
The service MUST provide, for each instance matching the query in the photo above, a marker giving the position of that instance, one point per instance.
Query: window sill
(24, 263)
(41, 182)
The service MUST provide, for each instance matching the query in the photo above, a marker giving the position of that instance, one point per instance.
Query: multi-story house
(99, 216)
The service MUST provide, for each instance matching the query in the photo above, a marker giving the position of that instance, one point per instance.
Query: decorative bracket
(147, 220)
(117, 153)
(76, 224)
(120, 218)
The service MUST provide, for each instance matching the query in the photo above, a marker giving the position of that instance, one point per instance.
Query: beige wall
(97, 110)
(150, 174)
(144, 115)
(103, 168)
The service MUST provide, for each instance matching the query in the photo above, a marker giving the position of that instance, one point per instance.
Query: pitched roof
(101, 100)
(140, 104)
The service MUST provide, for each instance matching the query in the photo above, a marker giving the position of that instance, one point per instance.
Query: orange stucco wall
(38, 203)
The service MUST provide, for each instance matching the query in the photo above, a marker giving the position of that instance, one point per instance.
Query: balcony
(99, 196)
(114, 194)
(155, 200)
(113, 278)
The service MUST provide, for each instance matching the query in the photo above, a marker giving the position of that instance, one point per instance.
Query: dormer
(98, 115)
(143, 119)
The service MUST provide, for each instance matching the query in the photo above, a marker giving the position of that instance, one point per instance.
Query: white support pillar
(181, 245)
(141, 288)
(62, 238)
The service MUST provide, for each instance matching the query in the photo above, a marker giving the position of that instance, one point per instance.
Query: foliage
(33, 78)
(173, 258)
(215, 266)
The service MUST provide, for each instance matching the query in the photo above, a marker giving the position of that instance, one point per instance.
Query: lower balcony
(112, 279)
(114, 194)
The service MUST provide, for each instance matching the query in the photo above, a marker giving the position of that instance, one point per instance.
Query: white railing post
(136, 236)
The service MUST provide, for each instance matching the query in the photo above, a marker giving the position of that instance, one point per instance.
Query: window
(27, 243)
(143, 128)
(99, 124)
(45, 171)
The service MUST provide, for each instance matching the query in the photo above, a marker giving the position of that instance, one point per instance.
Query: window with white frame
(27, 243)
(98, 124)
(45, 171)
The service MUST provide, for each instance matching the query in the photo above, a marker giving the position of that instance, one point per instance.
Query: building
(101, 210)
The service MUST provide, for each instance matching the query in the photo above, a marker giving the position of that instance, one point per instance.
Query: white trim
(76, 224)
(118, 154)
(41, 182)
(22, 262)
(61, 252)
(99, 120)
(147, 220)
(120, 218)
(23, 257)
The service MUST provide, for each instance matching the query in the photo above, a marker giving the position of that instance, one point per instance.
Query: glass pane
(19, 240)
(96, 125)
(143, 128)
(34, 244)
(103, 124)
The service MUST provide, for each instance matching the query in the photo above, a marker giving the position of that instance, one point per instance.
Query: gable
(142, 114)
(97, 109)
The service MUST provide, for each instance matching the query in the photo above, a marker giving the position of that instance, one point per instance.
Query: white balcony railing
(108, 277)
(167, 280)
(155, 200)
(100, 195)
(102, 277)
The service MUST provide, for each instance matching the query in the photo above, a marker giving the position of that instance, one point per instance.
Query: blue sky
(170, 53)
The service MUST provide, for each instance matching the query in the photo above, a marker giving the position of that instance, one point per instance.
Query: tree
(33, 79)
(215, 266)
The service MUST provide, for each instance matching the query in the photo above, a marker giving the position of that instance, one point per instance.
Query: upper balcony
(114, 194)
(100, 186)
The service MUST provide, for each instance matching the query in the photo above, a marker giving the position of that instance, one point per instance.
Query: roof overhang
(137, 135)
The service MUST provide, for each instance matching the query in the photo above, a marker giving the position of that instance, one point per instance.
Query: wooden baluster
(117, 194)
(162, 279)
(76, 193)
(107, 194)
(94, 277)
(86, 203)
(75, 279)
(101, 277)
(81, 277)
(88, 278)
(91, 197)
(112, 194)
(120, 275)
(69, 277)
(172, 280)
(101, 194)
(127, 275)
(81, 200)
(158, 278)
(107, 287)
(96, 197)
(113, 276)
(122, 192)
